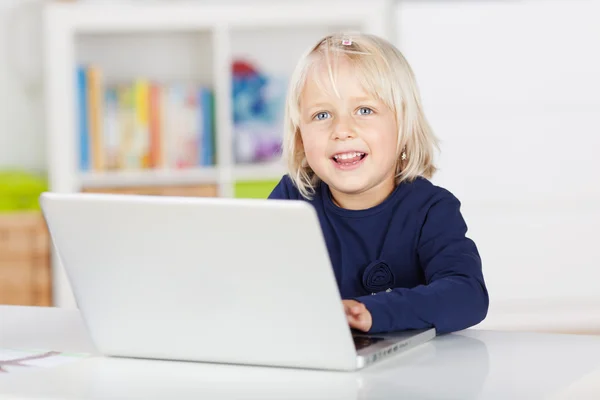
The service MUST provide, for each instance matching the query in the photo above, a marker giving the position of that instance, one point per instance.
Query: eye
(365, 111)
(321, 116)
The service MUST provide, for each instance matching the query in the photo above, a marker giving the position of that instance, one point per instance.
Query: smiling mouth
(348, 159)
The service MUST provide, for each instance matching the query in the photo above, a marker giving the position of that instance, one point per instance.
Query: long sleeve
(454, 296)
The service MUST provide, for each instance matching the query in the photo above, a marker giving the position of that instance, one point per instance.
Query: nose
(343, 129)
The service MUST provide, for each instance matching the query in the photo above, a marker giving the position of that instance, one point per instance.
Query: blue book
(82, 119)
(206, 142)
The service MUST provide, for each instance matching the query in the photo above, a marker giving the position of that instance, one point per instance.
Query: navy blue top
(407, 259)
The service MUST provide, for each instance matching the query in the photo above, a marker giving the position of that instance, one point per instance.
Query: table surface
(472, 364)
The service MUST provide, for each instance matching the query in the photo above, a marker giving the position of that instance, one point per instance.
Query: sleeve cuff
(380, 319)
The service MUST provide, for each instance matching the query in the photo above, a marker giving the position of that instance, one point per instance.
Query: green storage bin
(20, 191)
(254, 189)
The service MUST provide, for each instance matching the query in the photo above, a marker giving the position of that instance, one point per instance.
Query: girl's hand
(358, 315)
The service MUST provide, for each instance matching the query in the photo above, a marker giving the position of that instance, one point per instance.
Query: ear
(402, 158)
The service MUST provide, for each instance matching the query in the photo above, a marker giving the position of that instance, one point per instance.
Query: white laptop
(238, 281)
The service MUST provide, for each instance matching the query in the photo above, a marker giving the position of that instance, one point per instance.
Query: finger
(357, 318)
(358, 309)
(352, 320)
(353, 323)
(347, 309)
(362, 318)
(358, 324)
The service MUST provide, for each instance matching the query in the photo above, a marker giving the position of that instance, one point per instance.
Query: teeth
(346, 156)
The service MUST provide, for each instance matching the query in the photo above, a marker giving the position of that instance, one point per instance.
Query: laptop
(236, 281)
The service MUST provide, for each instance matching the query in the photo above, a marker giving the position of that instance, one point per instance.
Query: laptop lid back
(219, 280)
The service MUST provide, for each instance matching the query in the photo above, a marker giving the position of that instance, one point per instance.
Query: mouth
(348, 160)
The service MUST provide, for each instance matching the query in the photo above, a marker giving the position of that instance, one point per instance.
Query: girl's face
(350, 140)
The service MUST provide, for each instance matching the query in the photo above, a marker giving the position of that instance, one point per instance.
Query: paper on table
(12, 360)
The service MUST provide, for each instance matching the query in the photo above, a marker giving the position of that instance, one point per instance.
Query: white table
(473, 364)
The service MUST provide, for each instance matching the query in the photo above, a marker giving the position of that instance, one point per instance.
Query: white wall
(511, 87)
(21, 126)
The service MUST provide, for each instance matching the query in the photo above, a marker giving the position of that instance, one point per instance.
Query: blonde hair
(386, 75)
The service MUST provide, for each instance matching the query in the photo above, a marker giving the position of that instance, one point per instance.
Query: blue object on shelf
(258, 105)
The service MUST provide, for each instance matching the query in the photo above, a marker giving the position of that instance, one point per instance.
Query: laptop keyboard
(360, 342)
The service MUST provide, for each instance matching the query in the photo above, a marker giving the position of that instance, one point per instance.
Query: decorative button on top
(378, 277)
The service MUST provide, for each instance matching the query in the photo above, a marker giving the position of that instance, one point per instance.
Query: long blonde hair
(386, 75)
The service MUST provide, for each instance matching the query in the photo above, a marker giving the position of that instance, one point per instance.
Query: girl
(359, 149)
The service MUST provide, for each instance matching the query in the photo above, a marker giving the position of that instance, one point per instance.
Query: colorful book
(143, 124)
(96, 117)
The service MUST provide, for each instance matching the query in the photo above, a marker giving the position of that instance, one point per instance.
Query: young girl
(359, 149)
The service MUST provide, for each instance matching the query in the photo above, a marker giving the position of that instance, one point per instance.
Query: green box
(20, 191)
(254, 189)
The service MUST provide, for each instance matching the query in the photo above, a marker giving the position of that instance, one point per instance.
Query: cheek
(314, 143)
(383, 142)
(383, 134)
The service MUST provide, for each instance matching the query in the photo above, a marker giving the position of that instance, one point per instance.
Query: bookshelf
(180, 41)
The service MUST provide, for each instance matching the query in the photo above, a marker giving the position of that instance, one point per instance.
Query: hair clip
(346, 42)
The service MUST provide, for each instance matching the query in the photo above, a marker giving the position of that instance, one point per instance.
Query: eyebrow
(353, 99)
(362, 99)
(317, 105)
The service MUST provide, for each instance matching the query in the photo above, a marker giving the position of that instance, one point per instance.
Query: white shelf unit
(178, 39)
